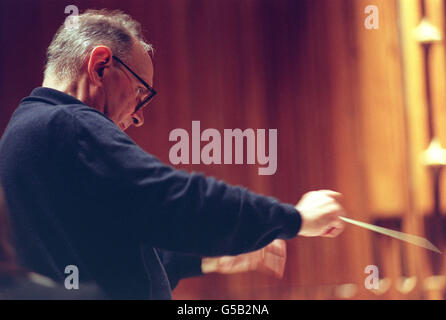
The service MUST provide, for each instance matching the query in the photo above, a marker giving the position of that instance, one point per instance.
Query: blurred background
(361, 111)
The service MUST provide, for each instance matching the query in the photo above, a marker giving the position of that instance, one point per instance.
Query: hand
(270, 260)
(320, 211)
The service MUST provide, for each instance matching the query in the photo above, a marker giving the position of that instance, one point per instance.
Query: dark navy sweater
(82, 193)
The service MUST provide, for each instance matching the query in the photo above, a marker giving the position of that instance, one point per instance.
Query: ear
(100, 59)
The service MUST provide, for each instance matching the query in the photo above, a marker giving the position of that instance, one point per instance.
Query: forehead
(141, 63)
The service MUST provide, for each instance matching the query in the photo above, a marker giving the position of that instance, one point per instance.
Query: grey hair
(71, 46)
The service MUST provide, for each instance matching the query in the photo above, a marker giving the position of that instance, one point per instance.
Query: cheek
(124, 104)
(127, 99)
(120, 98)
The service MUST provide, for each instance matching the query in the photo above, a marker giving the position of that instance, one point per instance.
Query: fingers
(274, 259)
(270, 260)
(272, 264)
(277, 247)
(335, 195)
(336, 228)
(334, 206)
(334, 210)
(324, 197)
(333, 233)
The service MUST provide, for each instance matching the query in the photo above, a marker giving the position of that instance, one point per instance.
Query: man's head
(80, 62)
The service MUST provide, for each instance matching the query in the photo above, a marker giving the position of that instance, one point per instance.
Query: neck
(80, 89)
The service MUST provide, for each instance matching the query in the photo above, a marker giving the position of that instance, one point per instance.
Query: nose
(138, 118)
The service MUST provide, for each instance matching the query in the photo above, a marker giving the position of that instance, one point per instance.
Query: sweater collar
(51, 96)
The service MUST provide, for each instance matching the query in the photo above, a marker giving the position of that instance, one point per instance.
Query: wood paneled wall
(343, 99)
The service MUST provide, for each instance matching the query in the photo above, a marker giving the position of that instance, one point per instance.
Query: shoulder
(79, 115)
(83, 122)
(95, 137)
(88, 121)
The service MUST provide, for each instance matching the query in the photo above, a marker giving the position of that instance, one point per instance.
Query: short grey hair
(71, 47)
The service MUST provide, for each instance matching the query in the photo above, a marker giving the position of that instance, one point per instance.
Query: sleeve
(171, 209)
(179, 266)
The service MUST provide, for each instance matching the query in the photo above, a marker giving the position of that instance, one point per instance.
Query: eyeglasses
(145, 84)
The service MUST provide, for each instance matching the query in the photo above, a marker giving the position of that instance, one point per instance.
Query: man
(82, 193)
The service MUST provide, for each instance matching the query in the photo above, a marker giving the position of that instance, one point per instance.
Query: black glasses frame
(145, 84)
